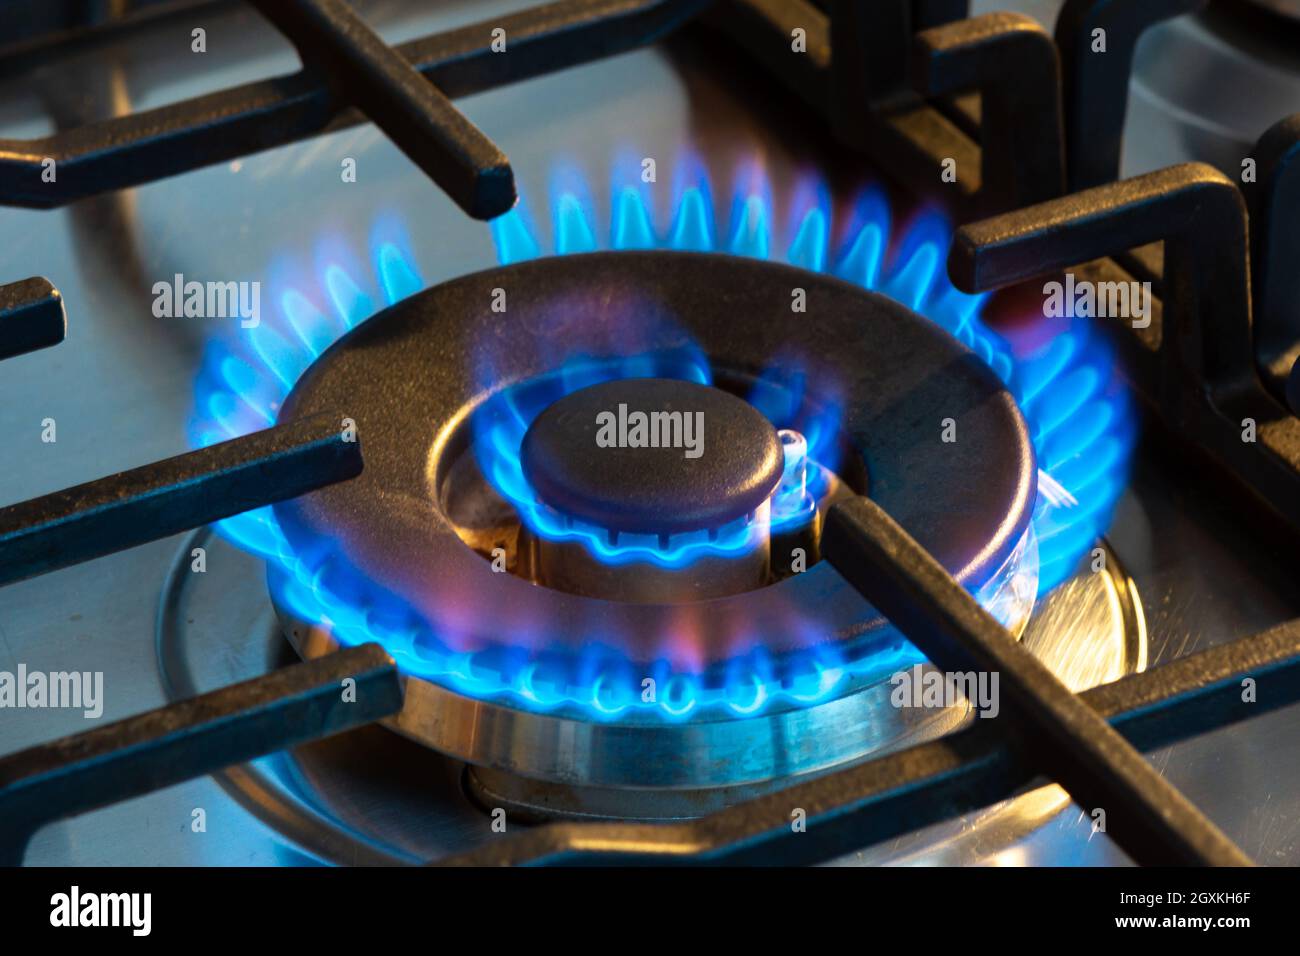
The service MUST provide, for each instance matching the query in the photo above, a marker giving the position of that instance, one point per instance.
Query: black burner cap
(592, 456)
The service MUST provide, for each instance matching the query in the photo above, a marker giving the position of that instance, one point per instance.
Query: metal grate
(929, 782)
(349, 74)
(911, 82)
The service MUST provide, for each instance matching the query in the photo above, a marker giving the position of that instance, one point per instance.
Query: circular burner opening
(651, 490)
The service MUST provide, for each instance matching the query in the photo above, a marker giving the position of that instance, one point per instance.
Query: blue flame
(1078, 416)
(502, 421)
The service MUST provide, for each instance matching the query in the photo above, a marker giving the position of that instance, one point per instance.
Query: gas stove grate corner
(349, 74)
(205, 733)
(927, 783)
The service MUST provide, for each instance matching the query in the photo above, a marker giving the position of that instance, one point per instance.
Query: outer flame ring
(1079, 420)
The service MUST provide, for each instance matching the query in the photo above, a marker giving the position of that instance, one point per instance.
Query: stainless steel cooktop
(1205, 568)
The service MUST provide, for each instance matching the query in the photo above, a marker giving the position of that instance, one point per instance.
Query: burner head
(400, 528)
(652, 463)
(653, 456)
(550, 682)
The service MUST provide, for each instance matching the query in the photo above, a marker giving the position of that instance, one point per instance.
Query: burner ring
(968, 501)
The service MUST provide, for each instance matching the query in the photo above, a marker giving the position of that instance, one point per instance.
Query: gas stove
(760, 431)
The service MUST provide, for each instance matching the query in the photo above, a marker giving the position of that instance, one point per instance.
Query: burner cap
(653, 456)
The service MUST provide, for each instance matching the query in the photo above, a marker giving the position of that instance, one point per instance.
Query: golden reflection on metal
(657, 841)
(1090, 630)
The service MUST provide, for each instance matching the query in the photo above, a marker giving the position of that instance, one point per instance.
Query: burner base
(534, 801)
(372, 796)
(1090, 630)
(575, 750)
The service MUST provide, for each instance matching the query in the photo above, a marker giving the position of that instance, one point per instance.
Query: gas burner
(562, 615)
(732, 676)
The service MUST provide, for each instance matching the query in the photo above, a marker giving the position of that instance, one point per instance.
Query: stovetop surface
(120, 390)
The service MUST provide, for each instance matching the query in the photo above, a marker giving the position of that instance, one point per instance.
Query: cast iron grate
(897, 80)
